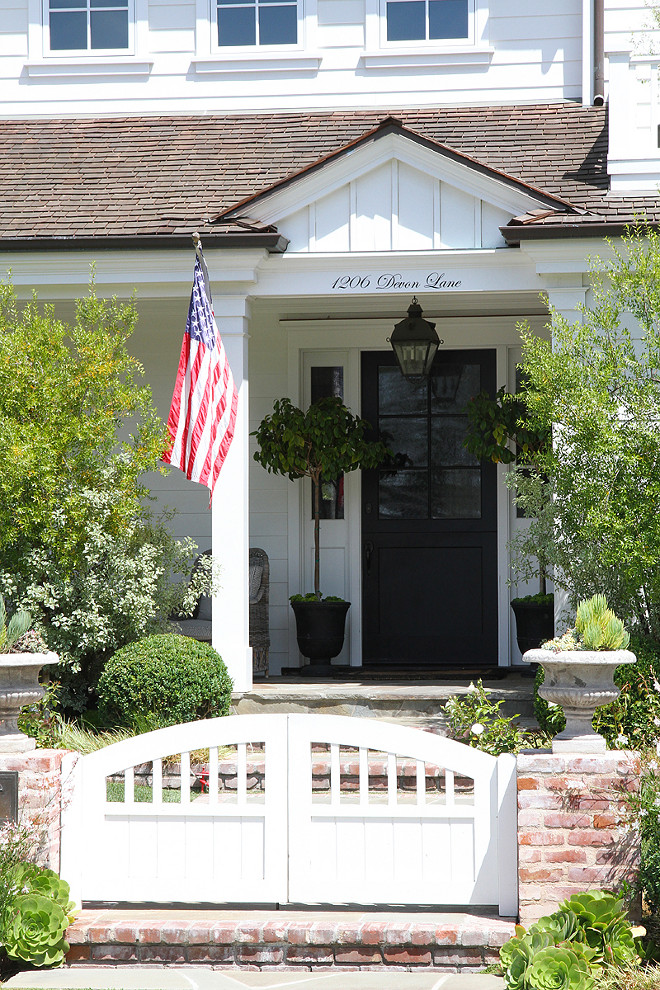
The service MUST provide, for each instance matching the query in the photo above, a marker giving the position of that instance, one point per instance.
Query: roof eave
(514, 234)
(273, 242)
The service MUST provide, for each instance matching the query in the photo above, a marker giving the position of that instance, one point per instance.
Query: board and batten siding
(526, 53)
(394, 207)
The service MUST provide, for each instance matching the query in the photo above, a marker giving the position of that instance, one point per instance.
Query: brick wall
(568, 836)
(43, 785)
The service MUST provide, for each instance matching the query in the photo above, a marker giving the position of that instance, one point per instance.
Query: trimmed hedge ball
(164, 679)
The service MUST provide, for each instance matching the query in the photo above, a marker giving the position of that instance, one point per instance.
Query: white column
(567, 299)
(230, 510)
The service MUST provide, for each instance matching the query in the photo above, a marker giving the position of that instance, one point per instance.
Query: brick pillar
(43, 782)
(569, 839)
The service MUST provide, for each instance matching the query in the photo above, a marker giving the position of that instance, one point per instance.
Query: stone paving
(183, 978)
(297, 940)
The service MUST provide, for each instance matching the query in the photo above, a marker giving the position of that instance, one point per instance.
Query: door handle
(368, 551)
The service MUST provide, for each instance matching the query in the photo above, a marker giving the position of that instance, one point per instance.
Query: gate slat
(185, 778)
(157, 781)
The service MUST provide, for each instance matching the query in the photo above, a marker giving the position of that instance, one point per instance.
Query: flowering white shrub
(125, 587)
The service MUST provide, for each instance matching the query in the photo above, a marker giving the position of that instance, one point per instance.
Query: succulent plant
(596, 628)
(29, 878)
(33, 930)
(12, 631)
(569, 949)
(560, 968)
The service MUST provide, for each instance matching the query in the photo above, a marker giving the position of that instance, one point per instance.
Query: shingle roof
(159, 177)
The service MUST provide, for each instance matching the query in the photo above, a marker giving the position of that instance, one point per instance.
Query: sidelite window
(257, 22)
(427, 20)
(88, 25)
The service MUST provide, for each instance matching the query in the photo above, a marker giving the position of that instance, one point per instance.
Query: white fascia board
(568, 256)
(478, 270)
(357, 162)
(151, 273)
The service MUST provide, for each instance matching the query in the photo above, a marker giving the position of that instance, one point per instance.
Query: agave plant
(11, 632)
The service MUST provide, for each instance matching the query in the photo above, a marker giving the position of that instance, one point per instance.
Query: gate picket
(351, 810)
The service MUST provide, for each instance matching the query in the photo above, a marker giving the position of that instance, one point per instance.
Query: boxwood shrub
(163, 680)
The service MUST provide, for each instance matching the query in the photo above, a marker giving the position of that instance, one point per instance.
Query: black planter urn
(320, 632)
(535, 623)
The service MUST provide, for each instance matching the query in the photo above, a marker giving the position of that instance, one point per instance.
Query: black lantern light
(415, 343)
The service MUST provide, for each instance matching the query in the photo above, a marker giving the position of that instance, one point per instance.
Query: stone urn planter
(580, 681)
(19, 686)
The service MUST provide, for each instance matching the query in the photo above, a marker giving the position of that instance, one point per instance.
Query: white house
(338, 157)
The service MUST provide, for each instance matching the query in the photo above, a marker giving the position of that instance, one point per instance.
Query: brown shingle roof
(163, 176)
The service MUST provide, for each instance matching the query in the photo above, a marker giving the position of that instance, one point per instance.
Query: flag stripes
(202, 415)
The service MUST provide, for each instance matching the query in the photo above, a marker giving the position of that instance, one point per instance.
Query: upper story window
(88, 25)
(256, 22)
(427, 20)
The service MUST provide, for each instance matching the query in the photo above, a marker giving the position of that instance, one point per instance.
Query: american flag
(203, 411)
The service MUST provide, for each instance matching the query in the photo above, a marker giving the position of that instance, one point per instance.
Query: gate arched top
(343, 730)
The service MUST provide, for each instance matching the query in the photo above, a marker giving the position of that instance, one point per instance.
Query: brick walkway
(296, 940)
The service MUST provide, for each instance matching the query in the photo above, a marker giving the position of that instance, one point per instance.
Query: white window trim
(381, 53)
(213, 58)
(90, 62)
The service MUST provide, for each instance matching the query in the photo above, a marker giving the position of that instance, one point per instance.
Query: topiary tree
(325, 441)
(163, 680)
(78, 432)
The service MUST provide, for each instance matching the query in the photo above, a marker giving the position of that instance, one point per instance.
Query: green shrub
(79, 434)
(164, 679)
(633, 720)
(474, 719)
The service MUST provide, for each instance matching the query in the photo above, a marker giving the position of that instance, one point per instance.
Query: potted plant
(22, 655)
(322, 443)
(579, 672)
(500, 430)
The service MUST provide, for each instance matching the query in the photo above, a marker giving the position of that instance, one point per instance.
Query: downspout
(593, 49)
(599, 52)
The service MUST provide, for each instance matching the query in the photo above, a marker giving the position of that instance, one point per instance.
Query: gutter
(513, 235)
(273, 242)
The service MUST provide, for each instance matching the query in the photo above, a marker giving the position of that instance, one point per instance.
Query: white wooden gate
(294, 809)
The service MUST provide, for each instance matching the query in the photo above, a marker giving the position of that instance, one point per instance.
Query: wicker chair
(199, 627)
(259, 596)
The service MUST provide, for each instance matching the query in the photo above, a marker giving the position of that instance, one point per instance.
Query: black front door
(429, 525)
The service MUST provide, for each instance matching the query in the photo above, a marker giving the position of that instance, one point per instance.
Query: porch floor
(415, 703)
(299, 940)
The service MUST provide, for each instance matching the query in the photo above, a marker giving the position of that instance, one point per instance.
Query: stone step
(301, 940)
(419, 703)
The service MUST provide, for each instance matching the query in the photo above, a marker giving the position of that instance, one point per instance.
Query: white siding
(267, 365)
(529, 53)
(622, 18)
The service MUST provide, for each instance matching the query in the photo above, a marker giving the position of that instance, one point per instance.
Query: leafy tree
(78, 431)
(324, 441)
(595, 491)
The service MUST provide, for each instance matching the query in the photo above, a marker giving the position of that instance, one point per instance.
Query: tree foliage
(325, 441)
(499, 429)
(78, 432)
(595, 491)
